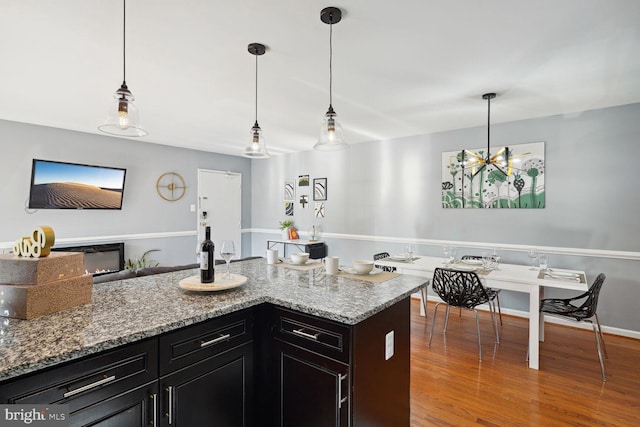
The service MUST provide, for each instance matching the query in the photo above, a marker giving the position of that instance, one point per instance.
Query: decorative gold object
(37, 245)
(171, 186)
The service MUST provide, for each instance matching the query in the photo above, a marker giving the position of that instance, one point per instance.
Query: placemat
(373, 278)
(578, 278)
(303, 267)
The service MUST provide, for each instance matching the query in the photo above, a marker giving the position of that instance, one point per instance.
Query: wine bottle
(207, 249)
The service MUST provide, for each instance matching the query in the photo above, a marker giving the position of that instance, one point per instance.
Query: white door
(220, 207)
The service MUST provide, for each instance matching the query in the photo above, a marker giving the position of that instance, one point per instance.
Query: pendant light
(331, 136)
(499, 160)
(256, 149)
(123, 118)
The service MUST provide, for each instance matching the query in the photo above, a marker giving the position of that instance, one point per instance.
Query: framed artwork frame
(320, 189)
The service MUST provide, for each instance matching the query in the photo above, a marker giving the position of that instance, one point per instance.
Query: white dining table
(512, 277)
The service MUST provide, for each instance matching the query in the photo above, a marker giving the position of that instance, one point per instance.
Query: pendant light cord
(256, 88)
(488, 127)
(330, 64)
(124, 44)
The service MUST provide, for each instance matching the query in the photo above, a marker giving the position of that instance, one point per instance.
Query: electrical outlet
(388, 345)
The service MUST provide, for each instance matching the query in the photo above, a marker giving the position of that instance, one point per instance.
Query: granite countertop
(129, 310)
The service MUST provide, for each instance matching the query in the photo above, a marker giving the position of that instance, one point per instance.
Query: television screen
(59, 185)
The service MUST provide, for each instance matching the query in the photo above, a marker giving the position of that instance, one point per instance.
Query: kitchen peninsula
(287, 345)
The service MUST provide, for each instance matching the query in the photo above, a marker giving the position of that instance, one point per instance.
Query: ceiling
(400, 68)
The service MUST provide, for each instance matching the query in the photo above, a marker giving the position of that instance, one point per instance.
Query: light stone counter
(125, 311)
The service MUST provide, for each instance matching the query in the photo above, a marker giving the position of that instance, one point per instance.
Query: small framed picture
(320, 189)
(289, 190)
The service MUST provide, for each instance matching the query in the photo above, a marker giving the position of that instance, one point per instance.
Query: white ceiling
(401, 68)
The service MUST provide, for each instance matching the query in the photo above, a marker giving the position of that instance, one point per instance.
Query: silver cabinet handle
(154, 399)
(305, 334)
(169, 414)
(89, 386)
(215, 340)
(341, 399)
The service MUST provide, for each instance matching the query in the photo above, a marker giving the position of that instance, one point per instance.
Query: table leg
(541, 324)
(534, 325)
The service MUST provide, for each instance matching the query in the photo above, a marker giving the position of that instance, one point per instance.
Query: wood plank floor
(449, 387)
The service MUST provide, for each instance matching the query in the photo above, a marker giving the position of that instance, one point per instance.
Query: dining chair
(495, 292)
(383, 255)
(584, 311)
(461, 289)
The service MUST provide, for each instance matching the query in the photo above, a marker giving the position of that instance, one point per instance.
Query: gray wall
(392, 188)
(143, 211)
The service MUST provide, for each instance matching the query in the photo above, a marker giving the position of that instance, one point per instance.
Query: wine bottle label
(204, 261)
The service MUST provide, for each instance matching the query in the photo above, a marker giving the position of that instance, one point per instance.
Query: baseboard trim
(550, 319)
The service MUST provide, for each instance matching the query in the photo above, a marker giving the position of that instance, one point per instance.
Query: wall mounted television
(60, 185)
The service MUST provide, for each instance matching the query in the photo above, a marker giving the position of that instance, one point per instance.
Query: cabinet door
(215, 391)
(137, 407)
(312, 390)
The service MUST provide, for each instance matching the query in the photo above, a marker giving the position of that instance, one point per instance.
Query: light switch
(388, 345)
(193, 208)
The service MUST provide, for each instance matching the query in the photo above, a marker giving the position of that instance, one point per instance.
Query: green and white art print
(510, 177)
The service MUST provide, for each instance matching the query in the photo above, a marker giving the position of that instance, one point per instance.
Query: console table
(316, 249)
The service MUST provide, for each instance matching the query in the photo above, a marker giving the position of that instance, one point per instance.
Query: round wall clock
(171, 186)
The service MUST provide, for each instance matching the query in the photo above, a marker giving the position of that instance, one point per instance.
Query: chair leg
(433, 323)
(494, 321)
(446, 319)
(595, 332)
(499, 309)
(604, 347)
(478, 327)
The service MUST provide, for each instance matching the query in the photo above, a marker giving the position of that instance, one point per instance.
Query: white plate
(351, 270)
(463, 268)
(471, 261)
(397, 258)
(192, 283)
(289, 261)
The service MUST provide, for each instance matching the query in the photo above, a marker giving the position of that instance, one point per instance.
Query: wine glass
(227, 251)
(445, 251)
(496, 257)
(532, 254)
(542, 262)
(408, 252)
(452, 254)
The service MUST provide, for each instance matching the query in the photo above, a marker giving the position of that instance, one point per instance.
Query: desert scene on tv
(70, 186)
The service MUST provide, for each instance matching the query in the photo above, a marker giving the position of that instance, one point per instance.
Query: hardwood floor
(450, 387)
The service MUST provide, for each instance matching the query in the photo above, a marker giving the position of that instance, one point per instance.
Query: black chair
(383, 255)
(495, 292)
(582, 312)
(461, 289)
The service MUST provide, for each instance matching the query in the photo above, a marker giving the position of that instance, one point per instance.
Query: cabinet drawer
(87, 381)
(319, 335)
(194, 343)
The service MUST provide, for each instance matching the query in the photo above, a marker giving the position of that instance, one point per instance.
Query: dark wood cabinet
(114, 385)
(330, 374)
(264, 366)
(313, 390)
(215, 391)
(138, 407)
(207, 373)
